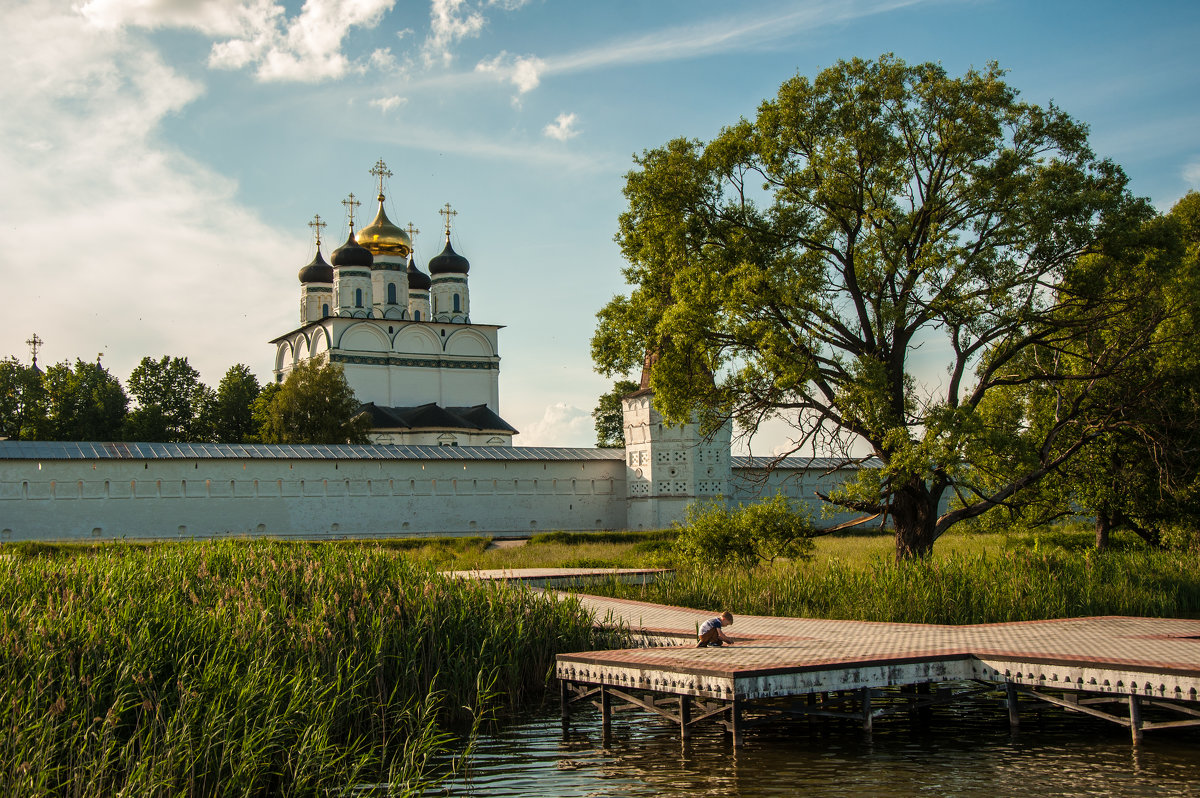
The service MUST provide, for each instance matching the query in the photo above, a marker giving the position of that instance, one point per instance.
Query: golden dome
(382, 237)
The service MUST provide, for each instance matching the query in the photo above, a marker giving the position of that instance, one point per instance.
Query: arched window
(358, 297)
(416, 315)
(324, 310)
(456, 307)
(391, 293)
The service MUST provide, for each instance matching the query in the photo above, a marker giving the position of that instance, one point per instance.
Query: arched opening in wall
(97, 532)
(358, 298)
(416, 315)
(457, 306)
(391, 293)
(182, 530)
(404, 525)
(324, 310)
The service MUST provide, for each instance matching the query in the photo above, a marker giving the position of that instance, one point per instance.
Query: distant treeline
(165, 401)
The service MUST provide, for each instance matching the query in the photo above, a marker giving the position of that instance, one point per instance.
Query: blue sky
(159, 159)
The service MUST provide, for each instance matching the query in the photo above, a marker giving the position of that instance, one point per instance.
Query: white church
(441, 461)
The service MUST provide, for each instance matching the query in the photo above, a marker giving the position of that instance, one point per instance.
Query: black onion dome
(351, 254)
(449, 262)
(318, 271)
(417, 279)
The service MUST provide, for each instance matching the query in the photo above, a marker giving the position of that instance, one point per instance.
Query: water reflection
(966, 751)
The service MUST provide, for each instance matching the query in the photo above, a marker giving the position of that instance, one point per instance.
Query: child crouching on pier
(710, 631)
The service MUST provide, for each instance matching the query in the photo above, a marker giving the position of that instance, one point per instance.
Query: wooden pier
(1141, 673)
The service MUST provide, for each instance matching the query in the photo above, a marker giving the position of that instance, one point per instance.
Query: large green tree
(878, 219)
(84, 402)
(172, 402)
(1142, 470)
(314, 404)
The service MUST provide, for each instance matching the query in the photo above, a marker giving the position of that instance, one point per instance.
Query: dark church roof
(433, 416)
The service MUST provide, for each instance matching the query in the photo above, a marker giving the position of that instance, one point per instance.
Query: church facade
(425, 373)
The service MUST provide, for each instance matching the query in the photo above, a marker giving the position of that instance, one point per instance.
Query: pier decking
(1143, 673)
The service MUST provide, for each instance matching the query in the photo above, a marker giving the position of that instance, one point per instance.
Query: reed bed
(255, 668)
(960, 588)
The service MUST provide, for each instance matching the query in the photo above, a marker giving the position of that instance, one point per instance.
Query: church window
(324, 310)
(416, 315)
(456, 306)
(391, 293)
(358, 298)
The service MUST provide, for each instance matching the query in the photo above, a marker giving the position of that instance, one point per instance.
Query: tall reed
(255, 668)
(958, 589)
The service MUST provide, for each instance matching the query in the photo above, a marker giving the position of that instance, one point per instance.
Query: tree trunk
(1103, 527)
(914, 512)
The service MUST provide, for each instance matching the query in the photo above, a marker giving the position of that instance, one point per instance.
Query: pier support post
(1135, 718)
(735, 722)
(685, 717)
(605, 710)
(866, 709)
(1010, 691)
(564, 696)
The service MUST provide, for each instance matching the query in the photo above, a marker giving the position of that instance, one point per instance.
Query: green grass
(971, 578)
(254, 668)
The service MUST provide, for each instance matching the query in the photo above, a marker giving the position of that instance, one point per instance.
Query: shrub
(713, 534)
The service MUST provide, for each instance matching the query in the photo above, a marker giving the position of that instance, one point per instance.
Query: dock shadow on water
(961, 751)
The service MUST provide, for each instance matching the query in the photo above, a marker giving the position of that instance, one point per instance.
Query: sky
(160, 159)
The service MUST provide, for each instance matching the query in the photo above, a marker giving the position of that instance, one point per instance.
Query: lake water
(964, 750)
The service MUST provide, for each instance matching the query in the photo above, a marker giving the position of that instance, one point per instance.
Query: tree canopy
(314, 404)
(84, 402)
(609, 415)
(173, 404)
(812, 263)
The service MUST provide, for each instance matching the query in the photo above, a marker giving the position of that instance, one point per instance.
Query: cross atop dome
(380, 171)
(351, 203)
(447, 212)
(412, 231)
(316, 224)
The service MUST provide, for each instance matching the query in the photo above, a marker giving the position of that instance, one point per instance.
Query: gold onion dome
(382, 237)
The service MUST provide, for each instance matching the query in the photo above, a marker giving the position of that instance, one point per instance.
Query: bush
(713, 534)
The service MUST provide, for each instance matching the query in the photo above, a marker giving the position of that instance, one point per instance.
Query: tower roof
(352, 254)
(318, 271)
(449, 262)
(417, 279)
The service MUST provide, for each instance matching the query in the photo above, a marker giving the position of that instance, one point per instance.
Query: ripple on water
(965, 751)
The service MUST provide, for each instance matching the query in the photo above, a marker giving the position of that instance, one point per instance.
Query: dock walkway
(1142, 673)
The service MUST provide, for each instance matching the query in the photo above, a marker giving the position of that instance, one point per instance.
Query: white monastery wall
(90, 499)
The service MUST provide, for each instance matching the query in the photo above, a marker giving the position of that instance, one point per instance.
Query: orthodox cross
(380, 171)
(34, 342)
(447, 212)
(351, 203)
(412, 232)
(316, 224)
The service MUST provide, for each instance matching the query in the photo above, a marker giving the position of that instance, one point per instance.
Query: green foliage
(610, 417)
(232, 412)
(22, 401)
(172, 403)
(802, 257)
(83, 403)
(314, 404)
(712, 535)
(962, 588)
(256, 668)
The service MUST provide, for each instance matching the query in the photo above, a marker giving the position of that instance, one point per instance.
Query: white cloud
(1191, 174)
(306, 47)
(559, 422)
(450, 21)
(509, 5)
(150, 252)
(562, 128)
(386, 104)
(523, 71)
